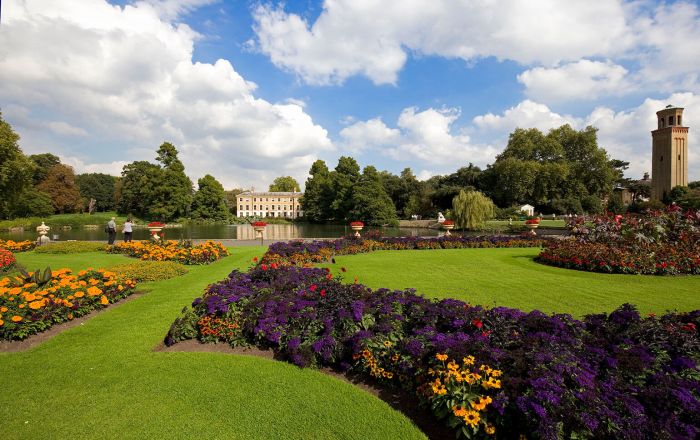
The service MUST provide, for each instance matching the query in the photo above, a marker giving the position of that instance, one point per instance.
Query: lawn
(510, 277)
(103, 379)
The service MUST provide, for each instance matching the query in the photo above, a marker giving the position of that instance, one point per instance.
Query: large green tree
(209, 201)
(318, 193)
(98, 186)
(370, 202)
(16, 169)
(60, 185)
(285, 184)
(343, 179)
(136, 188)
(172, 193)
(232, 199)
(471, 209)
(43, 162)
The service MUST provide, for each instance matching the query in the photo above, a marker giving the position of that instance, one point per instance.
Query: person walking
(128, 229)
(111, 231)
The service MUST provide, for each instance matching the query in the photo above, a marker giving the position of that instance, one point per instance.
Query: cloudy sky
(251, 90)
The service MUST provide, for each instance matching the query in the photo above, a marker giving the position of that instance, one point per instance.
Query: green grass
(543, 223)
(101, 380)
(510, 277)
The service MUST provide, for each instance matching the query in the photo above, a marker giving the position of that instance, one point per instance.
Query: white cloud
(126, 76)
(580, 80)
(426, 136)
(527, 114)
(372, 38)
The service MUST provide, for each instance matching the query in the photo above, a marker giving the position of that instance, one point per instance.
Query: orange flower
(93, 291)
(79, 294)
(16, 318)
(104, 301)
(35, 305)
(2, 322)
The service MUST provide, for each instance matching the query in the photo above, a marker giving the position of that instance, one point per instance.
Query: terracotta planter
(448, 228)
(532, 227)
(357, 230)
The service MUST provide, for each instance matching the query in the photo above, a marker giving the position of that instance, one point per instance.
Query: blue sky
(249, 91)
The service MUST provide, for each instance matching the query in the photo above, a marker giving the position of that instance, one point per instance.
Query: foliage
(686, 197)
(98, 186)
(343, 180)
(33, 202)
(27, 308)
(318, 193)
(231, 198)
(43, 163)
(17, 246)
(285, 184)
(172, 192)
(136, 188)
(170, 250)
(471, 209)
(60, 185)
(16, 169)
(144, 271)
(608, 376)
(657, 243)
(7, 260)
(210, 200)
(70, 247)
(370, 201)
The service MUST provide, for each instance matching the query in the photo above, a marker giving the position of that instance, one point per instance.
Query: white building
(528, 210)
(270, 204)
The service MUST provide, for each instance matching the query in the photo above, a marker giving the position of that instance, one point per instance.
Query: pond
(235, 232)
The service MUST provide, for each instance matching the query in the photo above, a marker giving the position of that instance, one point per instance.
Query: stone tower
(669, 161)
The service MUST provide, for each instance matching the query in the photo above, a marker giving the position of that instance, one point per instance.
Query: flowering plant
(171, 250)
(7, 260)
(17, 246)
(27, 308)
(532, 221)
(448, 222)
(357, 224)
(259, 224)
(156, 225)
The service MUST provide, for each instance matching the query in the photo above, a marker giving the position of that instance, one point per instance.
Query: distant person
(128, 229)
(111, 230)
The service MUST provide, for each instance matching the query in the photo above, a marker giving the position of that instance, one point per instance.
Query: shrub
(7, 260)
(17, 246)
(483, 370)
(70, 247)
(150, 270)
(181, 252)
(32, 304)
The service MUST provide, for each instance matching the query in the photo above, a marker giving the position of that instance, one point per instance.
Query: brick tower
(669, 161)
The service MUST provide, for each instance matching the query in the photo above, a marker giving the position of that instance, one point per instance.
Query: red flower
(478, 323)
(486, 333)
(259, 224)
(255, 259)
(312, 287)
(323, 292)
(356, 224)
(273, 266)
(689, 327)
(264, 267)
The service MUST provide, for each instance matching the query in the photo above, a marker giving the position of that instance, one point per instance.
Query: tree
(342, 180)
(98, 186)
(33, 203)
(43, 162)
(318, 194)
(172, 193)
(471, 209)
(232, 200)
(686, 197)
(209, 201)
(370, 202)
(285, 184)
(136, 188)
(16, 169)
(60, 185)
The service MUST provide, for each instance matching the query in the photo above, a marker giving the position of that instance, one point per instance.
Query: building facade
(669, 163)
(270, 204)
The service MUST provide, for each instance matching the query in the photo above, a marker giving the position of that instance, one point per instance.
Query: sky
(249, 90)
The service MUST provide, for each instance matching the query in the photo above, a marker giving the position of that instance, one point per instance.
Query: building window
(246, 207)
(679, 157)
(661, 122)
(241, 208)
(662, 159)
(679, 120)
(241, 199)
(670, 120)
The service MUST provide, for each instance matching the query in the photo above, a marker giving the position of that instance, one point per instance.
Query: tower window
(661, 122)
(662, 159)
(670, 120)
(679, 157)
(679, 120)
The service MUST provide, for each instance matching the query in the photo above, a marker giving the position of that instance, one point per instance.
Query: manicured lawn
(103, 380)
(510, 277)
(544, 223)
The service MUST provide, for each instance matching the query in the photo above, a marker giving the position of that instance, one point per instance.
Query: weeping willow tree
(471, 209)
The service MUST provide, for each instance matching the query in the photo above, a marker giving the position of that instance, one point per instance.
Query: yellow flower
(387, 343)
(472, 418)
(452, 366)
(104, 301)
(441, 357)
(469, 360)
(459, 411)
(490, 429)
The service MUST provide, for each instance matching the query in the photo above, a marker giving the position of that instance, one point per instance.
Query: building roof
(271, 193)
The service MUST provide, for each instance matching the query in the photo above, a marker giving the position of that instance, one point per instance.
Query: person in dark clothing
(111, 231)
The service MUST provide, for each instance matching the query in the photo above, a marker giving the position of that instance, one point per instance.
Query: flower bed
(7, 260)
(657, 243)
(17, 246)
(171, 250)
(305, 253)
(485, 372)
(27, 308)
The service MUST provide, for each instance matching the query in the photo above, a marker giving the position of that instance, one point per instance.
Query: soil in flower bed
(400, 400)
(39, 338)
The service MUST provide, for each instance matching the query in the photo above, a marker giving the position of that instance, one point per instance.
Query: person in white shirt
(128, 229)
(111, 231)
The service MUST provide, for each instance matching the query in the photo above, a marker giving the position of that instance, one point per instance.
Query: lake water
(235, 232)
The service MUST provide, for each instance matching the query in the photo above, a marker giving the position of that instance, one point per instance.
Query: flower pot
(154, 232)
(357, 229)
(448, 228)
(532, 227)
